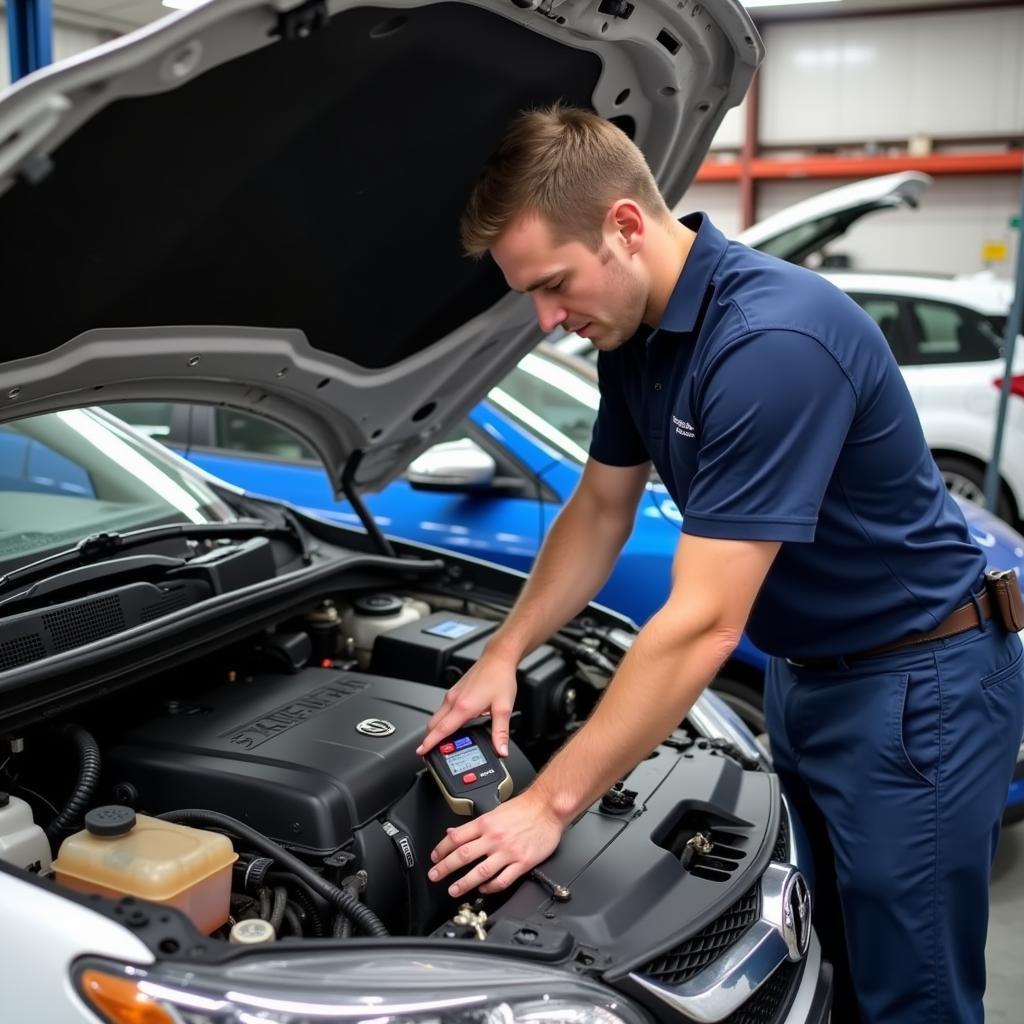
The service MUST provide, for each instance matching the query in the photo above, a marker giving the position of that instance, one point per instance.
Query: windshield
(66, 475)
(552, 401)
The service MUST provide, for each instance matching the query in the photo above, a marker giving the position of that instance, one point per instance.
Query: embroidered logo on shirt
(682, 427)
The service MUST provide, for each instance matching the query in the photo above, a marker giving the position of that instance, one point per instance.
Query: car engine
(299, 748)
(322, 762)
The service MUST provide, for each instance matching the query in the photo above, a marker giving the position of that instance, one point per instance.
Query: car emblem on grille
(796, 923)
(375, 727)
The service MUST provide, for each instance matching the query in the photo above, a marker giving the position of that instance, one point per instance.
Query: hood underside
(806, 227)
(259, 208)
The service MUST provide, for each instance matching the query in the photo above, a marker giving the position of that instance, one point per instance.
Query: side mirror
(460, 465)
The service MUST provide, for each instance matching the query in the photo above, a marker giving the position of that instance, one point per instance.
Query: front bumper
(812, 1003)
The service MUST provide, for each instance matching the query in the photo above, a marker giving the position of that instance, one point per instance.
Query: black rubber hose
(85, 788)
(342, 900)
(277, 911)
(265, 904)
(292, 919)
(301, 895)
(354, 884)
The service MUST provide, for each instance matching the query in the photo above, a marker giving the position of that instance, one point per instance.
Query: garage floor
(1004, 1001)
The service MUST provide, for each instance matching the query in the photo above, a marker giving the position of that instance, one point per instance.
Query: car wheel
(746, 699)
(966, 479)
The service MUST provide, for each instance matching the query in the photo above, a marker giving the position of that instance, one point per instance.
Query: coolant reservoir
(373, 614)
(22, 842)
(124, 854)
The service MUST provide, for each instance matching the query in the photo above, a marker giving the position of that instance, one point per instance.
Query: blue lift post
(29, 35)
(1013, 328)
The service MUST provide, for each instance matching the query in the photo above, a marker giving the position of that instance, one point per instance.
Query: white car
(946, 334)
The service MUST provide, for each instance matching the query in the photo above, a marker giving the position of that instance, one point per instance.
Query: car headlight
(371, 987)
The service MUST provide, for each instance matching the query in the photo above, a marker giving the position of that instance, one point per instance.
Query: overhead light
(187, 5)
(771, 3)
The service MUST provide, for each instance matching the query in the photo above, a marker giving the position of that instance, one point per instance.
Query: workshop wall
(950, 81)
(956, 75)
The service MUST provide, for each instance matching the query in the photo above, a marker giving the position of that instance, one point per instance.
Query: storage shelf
(763, 169)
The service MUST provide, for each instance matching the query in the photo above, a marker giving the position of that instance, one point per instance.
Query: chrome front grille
(770, 1002)
(746, 966)
(691, 956)
(781, 851)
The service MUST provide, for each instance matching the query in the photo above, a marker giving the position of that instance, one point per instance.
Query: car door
(890, 313)
(950, 359)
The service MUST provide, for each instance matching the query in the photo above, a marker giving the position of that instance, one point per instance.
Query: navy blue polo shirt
(773, 409)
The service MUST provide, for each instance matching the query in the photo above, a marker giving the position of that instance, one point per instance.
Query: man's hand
(507, 842)
(489, 686)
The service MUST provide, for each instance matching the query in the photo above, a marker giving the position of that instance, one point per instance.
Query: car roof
(987, 295)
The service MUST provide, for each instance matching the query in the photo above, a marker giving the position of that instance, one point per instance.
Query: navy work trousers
(899, 767)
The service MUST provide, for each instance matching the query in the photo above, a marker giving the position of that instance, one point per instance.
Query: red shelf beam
(763, 169)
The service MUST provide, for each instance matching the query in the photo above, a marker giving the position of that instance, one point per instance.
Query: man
(814, 517)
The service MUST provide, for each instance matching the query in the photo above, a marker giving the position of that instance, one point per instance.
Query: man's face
(600, 295)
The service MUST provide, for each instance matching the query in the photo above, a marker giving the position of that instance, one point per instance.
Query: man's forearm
(573, 564)
(657, 683)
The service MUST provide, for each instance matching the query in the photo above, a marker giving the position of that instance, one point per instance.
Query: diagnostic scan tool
(469, 772)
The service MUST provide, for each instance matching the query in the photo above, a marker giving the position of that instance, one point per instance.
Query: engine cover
(305, 759)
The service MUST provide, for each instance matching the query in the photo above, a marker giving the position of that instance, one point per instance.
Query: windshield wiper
(104, 545)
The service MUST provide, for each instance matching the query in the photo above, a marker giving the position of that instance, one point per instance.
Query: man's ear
(625, 222)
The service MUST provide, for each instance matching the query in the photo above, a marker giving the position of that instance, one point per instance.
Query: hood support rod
(348, 485)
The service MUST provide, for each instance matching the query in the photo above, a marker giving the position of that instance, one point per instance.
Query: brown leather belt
(964, 618)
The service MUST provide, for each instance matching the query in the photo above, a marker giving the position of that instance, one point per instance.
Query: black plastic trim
(65, 680)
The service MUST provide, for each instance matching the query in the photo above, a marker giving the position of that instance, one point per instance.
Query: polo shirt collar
(688, 295)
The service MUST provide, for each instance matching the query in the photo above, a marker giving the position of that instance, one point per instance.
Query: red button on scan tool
(447, 748)
(469, 777)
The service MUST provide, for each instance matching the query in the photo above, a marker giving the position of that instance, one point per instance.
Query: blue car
(492, 487)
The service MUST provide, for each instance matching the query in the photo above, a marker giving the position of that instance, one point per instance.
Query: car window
(66, 475)
(30, 466)
(253, 435)
(150, 418)
(998, 325)
(551, 400)
(944, 333)
(885, 311)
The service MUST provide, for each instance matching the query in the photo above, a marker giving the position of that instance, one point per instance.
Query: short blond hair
(566, 165)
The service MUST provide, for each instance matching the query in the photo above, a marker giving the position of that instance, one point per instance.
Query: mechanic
(814, 518)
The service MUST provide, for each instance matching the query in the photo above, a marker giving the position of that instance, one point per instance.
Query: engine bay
(298, 748)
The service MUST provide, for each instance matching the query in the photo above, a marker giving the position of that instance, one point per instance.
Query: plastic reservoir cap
(377, 604)
(252, 932)
(111, 820)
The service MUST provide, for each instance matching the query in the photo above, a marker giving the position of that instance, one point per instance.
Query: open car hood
(257, 204)
(804, 228)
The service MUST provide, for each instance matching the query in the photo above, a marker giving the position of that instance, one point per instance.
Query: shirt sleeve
(616, 441)
(775, 410)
